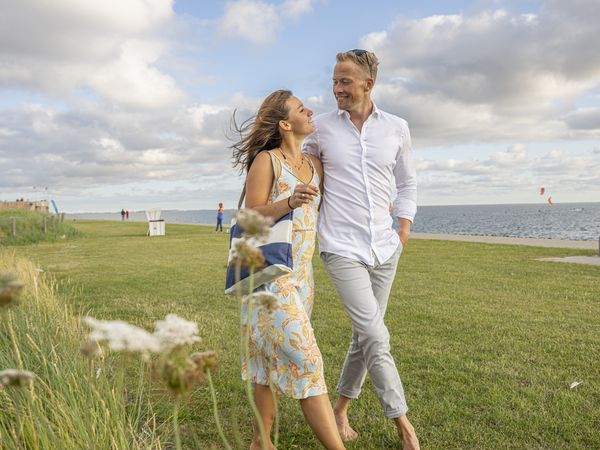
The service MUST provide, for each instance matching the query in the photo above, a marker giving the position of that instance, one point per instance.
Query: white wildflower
(247, 254)
(121, 336)
(14, 377)
(574, 384)
(254, 224)
(265, 299)
(175, 332)
(10, 288)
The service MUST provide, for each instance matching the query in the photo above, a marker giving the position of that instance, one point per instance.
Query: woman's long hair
(260, 132)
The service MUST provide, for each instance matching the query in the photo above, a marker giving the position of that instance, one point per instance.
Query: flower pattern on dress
(283, 348)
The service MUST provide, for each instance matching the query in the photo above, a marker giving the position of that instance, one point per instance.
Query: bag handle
(242, 196)
(274, 179)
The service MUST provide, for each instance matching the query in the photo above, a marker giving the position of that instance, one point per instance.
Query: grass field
(487, 339)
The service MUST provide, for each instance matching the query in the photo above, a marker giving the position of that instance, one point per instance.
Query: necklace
(296, 165)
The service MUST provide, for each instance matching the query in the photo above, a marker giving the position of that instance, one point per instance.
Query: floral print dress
(283, 349)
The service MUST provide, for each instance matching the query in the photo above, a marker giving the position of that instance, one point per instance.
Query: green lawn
(486, 338)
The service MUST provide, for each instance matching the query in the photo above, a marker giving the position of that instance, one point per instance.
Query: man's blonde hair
(365, 60)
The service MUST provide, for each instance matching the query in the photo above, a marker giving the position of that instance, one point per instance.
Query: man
(364, 151)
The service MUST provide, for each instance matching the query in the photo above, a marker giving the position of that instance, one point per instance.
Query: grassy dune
(30, 228)
(486, 338)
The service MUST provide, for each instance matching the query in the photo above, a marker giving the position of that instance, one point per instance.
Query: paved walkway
(554, 243)
(591, 260)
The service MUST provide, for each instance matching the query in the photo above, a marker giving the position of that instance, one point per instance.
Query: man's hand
(404, 230)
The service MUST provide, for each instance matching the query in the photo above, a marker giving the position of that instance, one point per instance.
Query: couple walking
(347, 160)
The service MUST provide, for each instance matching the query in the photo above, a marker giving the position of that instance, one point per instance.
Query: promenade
(532, 242)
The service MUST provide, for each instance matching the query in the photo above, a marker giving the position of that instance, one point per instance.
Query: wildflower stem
(274, 395)
(140, 394)
(216, 410)
(176, 424)
(238, 276)
(13, 338)
(249, 392)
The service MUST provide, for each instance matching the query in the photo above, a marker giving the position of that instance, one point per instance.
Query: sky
(127, 103)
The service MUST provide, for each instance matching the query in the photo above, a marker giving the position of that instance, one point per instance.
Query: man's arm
(311, 145)
(405, 205)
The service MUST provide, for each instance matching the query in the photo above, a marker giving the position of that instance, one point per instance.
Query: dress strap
(314, 171)
(277, 165)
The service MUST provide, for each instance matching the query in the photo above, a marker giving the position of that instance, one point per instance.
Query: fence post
(45, 224)
(62, 217)
(14, 225)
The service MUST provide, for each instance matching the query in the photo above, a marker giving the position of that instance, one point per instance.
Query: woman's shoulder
(263, 164)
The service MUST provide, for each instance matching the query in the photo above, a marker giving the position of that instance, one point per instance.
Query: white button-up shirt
(361, 169)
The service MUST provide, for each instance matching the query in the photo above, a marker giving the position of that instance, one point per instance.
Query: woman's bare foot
(346, 432)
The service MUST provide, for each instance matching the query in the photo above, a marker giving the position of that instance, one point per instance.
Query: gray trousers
(364, 292)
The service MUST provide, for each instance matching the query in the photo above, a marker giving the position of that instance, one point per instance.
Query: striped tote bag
(277, 251)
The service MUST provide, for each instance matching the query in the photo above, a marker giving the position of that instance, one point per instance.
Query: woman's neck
(292, 148)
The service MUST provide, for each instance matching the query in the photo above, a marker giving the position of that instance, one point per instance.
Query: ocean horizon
(575, 221)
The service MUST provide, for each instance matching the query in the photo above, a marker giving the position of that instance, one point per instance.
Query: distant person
(363, 150)
(283, 350)
(122, 214)
(127, 214)
(220, 213)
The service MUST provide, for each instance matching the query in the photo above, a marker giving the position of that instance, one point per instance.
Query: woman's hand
(303, 194)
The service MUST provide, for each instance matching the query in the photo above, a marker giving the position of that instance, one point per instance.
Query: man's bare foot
(407, 434)
(256, 445)
(346, 432)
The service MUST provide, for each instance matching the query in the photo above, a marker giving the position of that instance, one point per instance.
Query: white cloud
(584, 119)
(259, 22)
(493, 76)
(95, 147)
(295, 8)
(112, 47)
(254, 21)
(133, 81)
(510, 173)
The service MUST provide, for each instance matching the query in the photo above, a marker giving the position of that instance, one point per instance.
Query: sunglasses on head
(360, 52)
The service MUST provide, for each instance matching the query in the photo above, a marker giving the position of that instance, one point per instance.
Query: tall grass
(74, 402)
(30, 228)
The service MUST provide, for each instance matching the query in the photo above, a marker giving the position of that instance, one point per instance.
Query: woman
(283, 349)
(220, 213)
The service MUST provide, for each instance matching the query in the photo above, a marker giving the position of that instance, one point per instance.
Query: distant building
(40, 205)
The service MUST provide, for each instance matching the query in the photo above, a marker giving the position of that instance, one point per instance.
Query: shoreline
(532, 242)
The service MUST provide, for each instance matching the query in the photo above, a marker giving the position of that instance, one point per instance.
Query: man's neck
(360, 115)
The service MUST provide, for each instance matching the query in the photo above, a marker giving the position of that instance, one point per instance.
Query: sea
(576, 221)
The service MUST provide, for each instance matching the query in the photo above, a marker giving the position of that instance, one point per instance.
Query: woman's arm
(258, 190)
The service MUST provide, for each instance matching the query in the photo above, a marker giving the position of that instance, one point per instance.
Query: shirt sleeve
(311, 145)
(405, 205)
